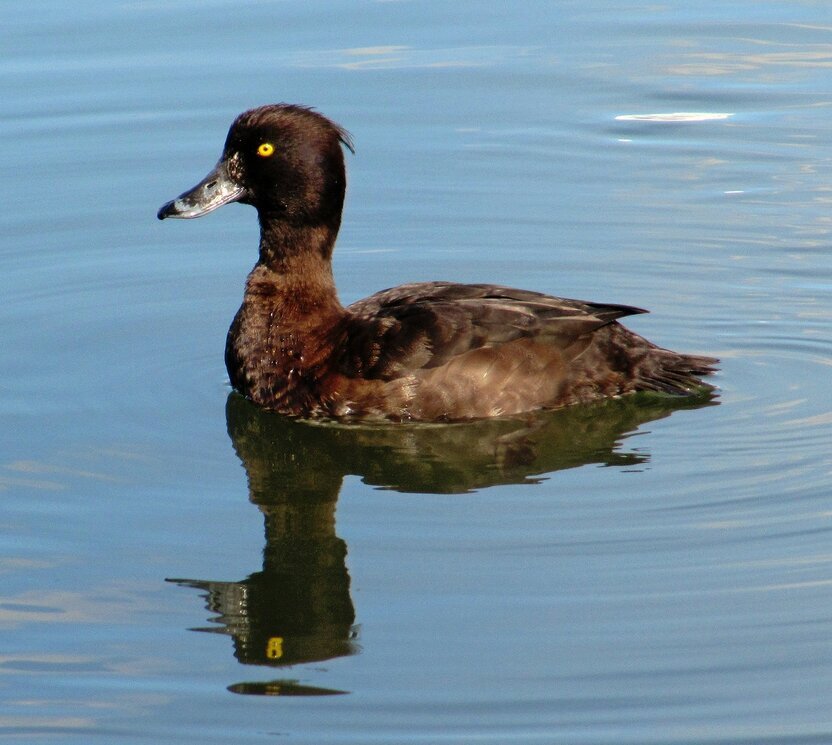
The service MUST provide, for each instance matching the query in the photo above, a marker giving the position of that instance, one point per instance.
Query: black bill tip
(167, 210)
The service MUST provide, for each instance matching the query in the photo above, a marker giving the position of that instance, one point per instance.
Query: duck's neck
(294, 271)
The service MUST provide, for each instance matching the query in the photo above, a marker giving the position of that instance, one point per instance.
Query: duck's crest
(266, 115)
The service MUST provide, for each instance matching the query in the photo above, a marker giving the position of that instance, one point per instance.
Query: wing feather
(426, 325)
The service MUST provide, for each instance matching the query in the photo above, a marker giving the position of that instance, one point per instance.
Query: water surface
(178, 567)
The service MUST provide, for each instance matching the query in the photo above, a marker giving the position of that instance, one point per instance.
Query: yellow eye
(265, 150)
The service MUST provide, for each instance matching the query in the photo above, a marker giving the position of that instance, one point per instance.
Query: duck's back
(447, 351)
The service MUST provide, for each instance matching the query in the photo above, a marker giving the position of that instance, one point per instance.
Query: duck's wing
(426, 325)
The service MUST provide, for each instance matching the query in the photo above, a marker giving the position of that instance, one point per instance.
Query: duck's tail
(670, 372)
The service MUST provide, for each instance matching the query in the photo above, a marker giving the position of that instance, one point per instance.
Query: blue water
(176, 568)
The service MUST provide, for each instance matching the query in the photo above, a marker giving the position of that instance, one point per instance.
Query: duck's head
(285, 160)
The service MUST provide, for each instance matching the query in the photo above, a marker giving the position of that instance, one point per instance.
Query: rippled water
(178, 567)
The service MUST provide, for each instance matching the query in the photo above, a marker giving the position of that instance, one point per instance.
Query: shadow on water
(298, 608)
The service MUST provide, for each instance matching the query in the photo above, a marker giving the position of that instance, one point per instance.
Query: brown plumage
(428, 351)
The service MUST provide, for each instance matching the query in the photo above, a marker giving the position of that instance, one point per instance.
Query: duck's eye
(265, 150)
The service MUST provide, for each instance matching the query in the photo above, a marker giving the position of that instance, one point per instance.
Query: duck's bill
(215, 190)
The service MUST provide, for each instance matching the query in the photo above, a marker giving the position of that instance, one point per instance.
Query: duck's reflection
(298, 608)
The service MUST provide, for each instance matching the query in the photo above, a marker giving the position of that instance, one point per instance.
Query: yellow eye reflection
(265, 150)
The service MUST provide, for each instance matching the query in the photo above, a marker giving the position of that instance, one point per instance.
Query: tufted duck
(430, 351)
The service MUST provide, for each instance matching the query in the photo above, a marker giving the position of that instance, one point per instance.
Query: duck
(424, 352)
